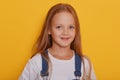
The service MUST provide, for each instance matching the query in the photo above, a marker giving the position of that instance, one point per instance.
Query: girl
(57, 47)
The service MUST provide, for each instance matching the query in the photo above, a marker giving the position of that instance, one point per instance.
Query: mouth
(65, 38)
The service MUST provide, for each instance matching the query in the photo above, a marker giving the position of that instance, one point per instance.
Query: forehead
(63, 18)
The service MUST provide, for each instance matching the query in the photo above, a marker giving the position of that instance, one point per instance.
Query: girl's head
(45, 40)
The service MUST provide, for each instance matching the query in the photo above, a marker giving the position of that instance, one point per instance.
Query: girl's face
(62, 29)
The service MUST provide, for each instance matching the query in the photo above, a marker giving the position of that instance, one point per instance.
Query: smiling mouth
(65, 39)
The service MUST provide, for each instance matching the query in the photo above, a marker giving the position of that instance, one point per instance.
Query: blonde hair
(44, 41)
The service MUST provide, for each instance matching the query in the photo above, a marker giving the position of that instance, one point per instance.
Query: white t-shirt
(61, 69)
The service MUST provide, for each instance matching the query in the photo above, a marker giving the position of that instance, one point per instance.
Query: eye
(71, 27)
(58, 27)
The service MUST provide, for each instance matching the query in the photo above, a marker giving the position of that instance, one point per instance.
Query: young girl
(57, 47)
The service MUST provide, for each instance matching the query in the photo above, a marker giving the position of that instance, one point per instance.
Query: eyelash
(58, 27)
(70, 27)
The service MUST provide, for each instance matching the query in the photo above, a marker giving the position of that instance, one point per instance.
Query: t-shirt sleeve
(92, 76)
(89, 65)
(31, 70)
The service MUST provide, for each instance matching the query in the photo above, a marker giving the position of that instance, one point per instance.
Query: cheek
(55, 34)
(73, 33)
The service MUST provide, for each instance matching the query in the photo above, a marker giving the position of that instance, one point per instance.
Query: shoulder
(32, 68)
(88, 68)
(86, 60)
(34, 63)
(36, 59)
(87, 63)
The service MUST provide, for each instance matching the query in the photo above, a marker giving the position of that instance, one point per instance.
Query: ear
(49, 32)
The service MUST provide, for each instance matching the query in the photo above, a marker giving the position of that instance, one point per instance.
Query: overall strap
(44, 71)
(77, 73)
(78, 61)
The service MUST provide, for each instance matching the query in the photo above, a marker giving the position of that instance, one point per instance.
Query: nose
(65, 31)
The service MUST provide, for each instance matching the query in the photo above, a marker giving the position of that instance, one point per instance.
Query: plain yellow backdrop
(21, 22)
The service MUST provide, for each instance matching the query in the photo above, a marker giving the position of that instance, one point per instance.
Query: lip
(65, 38)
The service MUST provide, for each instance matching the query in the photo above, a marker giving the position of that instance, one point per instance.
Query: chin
(65, 46)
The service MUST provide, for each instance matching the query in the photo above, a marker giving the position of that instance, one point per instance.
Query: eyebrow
(62, 25)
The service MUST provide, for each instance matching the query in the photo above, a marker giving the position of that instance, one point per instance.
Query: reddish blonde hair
(44, 40)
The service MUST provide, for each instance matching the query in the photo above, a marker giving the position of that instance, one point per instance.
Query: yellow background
(21, 21)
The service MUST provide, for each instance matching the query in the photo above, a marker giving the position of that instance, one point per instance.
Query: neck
(61, 53)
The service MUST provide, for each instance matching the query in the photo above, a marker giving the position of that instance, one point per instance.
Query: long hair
(44, 41)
